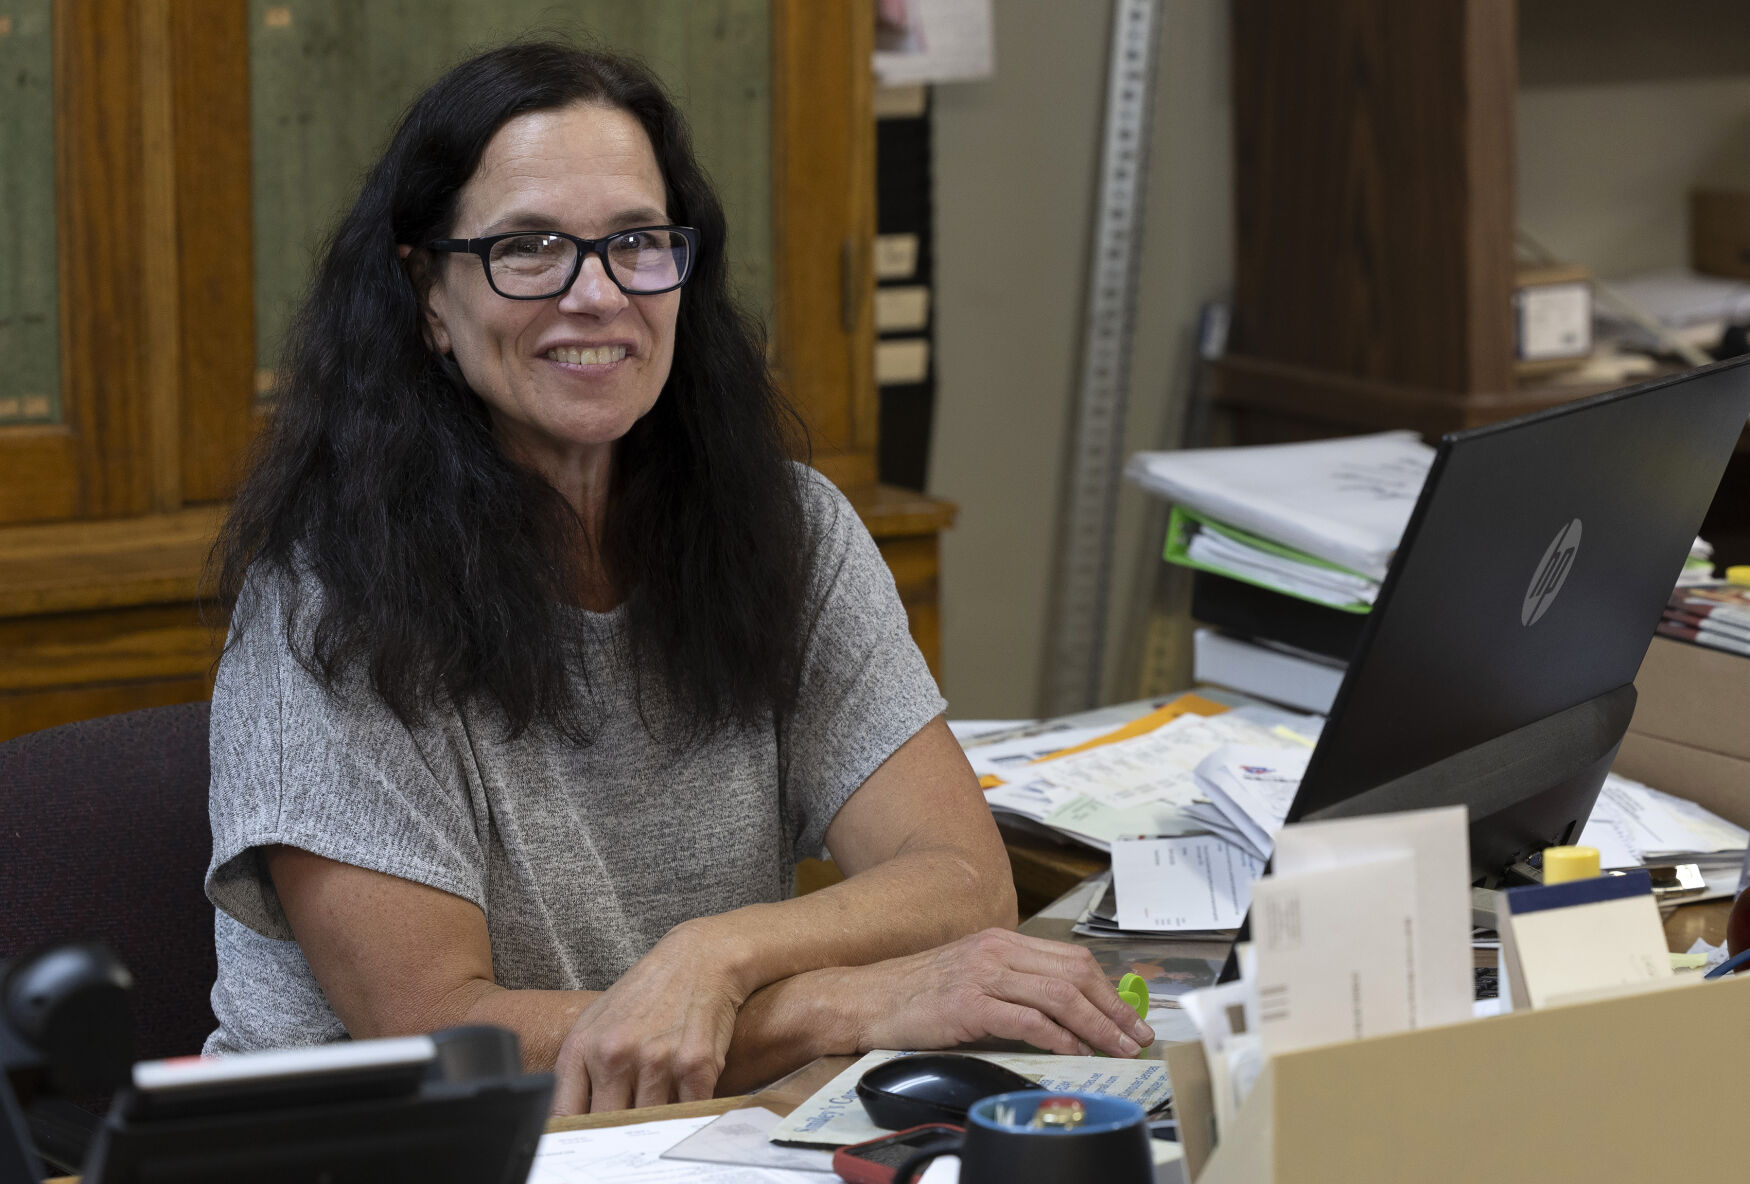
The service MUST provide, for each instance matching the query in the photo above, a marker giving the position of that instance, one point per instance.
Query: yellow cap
(1738, 574)
(1561, 864)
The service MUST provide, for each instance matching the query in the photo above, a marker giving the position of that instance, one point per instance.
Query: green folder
(1178, 550)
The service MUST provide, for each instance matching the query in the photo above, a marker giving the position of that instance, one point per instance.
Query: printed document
(1138, 786)
(1333, 951)
(1633, 824)
(633, 1155)
(1436, 914)
(1195, 882)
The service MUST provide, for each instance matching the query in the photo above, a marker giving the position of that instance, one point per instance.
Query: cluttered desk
(1437, 887)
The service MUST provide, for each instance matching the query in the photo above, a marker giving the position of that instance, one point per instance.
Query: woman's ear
(429, 291)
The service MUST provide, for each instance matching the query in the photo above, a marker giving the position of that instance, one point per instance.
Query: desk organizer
(1630, 1087)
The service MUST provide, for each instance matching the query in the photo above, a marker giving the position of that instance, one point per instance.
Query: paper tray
(1634, 1087)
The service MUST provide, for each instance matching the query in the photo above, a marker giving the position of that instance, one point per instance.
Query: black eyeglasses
(541, 264)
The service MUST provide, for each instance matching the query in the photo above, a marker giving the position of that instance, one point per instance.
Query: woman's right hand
(995, 984)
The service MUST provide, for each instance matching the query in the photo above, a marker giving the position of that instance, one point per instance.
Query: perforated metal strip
(1084, 550)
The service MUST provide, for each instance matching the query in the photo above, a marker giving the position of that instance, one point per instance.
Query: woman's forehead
(583, 161)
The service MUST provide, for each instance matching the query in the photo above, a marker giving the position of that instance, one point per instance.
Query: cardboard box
(1720, 783)
(1612, 1089)
(1691, 729)
(1719, 232)
(1690, 694)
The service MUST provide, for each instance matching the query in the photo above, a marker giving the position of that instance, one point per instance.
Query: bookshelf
(1375, 161)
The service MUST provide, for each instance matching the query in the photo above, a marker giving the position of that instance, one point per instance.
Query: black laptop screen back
(1531, 575)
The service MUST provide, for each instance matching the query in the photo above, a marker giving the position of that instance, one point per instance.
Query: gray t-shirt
(580, 857)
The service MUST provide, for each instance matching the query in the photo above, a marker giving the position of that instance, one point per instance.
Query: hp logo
(1552, 572)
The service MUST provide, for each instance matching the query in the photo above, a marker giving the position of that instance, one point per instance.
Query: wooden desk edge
(780, 1097)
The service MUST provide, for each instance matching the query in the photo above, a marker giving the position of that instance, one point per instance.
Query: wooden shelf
(890, 512)
(1346, 402)
(115, 563)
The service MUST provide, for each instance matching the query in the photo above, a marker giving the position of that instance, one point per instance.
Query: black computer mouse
(932, 1087)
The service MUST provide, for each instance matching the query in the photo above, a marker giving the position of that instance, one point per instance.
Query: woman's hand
(994, 984)
(660, 1034)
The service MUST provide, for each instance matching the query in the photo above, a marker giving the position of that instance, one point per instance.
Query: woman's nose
(592, 293)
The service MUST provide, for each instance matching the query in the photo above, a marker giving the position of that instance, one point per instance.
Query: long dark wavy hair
(448, 572)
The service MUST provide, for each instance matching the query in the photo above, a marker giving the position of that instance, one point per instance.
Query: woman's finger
(1074, 965)
(570, 1084)
(1012, 1021)
(655, 1083)
(1064, 1004)
(610, 1089)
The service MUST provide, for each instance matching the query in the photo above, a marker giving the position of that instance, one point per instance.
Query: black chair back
(104, 837)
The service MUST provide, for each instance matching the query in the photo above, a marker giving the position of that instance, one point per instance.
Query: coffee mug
(1002, 1145)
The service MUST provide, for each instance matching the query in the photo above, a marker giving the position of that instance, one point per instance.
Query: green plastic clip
(1134, 990)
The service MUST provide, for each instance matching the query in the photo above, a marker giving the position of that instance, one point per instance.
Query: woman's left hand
(660, 1034)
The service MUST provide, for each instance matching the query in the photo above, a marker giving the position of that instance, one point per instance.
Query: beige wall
(1015, 174)
(1605, 167)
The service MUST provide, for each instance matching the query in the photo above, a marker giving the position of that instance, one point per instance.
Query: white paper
(834, 1116)
(1336, 588)
(1220, 1013)
(1175, 884)
(1142, 785)
(1634, 824)
(968, 731)
(1440, 914)
(633, 1155)
(744, 1137)
(1346, 501)
(1253, 787)
(1006, 758)
(1333, 951)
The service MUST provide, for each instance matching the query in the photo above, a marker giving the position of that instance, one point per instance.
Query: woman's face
(564, 377)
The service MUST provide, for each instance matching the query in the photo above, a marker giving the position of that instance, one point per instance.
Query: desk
(1682, 927)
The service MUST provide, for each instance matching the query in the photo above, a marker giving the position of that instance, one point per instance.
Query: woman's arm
(397, 957)
(925, 866)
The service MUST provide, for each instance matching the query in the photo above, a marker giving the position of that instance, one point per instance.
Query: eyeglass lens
(539, 264)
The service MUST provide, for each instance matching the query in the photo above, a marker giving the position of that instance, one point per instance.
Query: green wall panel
(329, 78)
(30, 317)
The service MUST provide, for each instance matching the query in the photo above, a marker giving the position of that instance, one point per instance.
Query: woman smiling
(547, 663)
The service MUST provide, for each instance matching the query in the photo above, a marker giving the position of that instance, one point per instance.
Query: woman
(546, 664)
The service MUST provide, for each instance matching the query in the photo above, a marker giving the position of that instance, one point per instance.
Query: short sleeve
(865, 688)
(332, 772)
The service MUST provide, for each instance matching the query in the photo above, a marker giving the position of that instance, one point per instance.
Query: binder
(1636, 1086)
(1182, 523)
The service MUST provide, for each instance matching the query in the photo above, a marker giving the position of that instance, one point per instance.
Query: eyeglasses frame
(482, 247)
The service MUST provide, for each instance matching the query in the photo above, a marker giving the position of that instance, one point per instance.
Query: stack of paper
(1713, 614)
(1141, 785)
(1634, 825)
(1318, 520)
(1698, 568)
(1249, 790)
(1696, 308)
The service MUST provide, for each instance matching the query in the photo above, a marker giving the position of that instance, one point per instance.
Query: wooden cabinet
(108, 503)
(1375, 216)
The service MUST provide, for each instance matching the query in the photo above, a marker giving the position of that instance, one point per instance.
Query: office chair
(104, 837)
